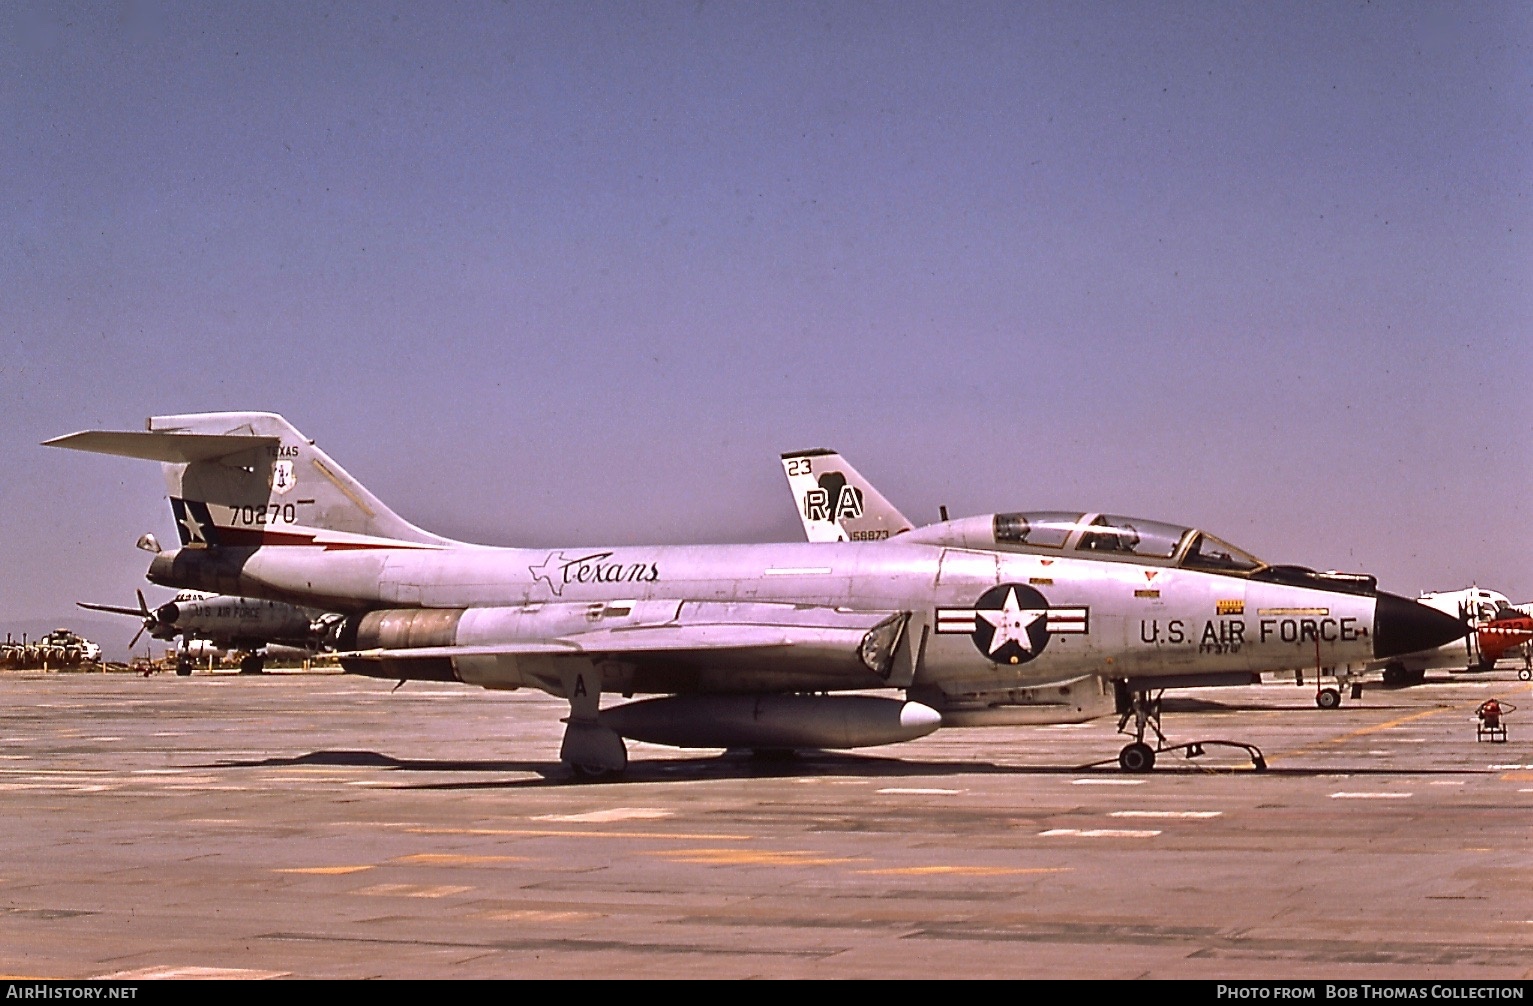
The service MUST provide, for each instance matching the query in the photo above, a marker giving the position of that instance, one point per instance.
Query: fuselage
(742, 642)
(1056, 617)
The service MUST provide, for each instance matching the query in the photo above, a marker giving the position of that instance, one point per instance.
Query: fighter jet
(751, 646)
(251, 627)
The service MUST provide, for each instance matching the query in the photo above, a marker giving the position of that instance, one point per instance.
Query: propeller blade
(114, 609)
(140, 632)
(143, 608)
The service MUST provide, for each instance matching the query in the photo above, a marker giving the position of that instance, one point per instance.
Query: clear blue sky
(578, 273)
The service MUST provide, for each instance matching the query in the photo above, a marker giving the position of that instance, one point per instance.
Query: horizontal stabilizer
(172, 448)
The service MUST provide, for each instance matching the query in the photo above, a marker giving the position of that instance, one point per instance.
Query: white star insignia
(192, 525)
(1011, 622)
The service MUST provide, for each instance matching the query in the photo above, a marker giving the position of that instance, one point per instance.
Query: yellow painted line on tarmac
(677, 836)
(1360, 732)
(752, 857)
(455, 859)
(1515, 777)
(966, 871)
(324, 871)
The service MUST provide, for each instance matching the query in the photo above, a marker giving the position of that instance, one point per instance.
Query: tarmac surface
(322, 826)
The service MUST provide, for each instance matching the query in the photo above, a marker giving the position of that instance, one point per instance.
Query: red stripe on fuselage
(239, 537)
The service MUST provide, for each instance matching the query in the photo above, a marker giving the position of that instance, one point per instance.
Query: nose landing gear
(1143, 707)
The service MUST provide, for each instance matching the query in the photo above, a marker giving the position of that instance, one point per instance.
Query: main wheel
(1525, 675)
(184, 668)
(1328, 698)
(1394, 675)
(1137, 757)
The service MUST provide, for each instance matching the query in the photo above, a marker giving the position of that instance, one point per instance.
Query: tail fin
(250, 478)
(835, 502)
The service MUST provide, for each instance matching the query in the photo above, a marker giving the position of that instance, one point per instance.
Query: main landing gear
(592, 751)
(1397, 675)
(1143, 707)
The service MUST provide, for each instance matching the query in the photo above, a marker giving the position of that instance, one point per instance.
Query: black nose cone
(1404, 626)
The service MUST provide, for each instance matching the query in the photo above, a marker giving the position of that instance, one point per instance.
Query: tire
(1328, 698)
(1137, 757)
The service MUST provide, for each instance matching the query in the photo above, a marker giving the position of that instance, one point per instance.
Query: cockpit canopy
(1095, 536)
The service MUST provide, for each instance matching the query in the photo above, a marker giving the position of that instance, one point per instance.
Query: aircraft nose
(1401, 626)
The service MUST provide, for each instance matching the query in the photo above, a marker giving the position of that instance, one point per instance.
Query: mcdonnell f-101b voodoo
(751, 646)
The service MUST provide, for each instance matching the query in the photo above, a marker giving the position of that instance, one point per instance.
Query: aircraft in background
(1496, 630)
(834, 501)
(208, 625)
(750, 645)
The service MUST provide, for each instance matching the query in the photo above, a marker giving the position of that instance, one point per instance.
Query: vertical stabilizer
(251, 479)
(835, 502)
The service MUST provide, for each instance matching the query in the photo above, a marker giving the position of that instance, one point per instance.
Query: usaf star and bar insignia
(1011, 623)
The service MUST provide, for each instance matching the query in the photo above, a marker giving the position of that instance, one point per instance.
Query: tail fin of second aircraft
(835, 502)
(250, 478)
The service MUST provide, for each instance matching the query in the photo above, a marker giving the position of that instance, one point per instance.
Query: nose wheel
(1139, 705)
(1137, 757)
(1143, 708)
